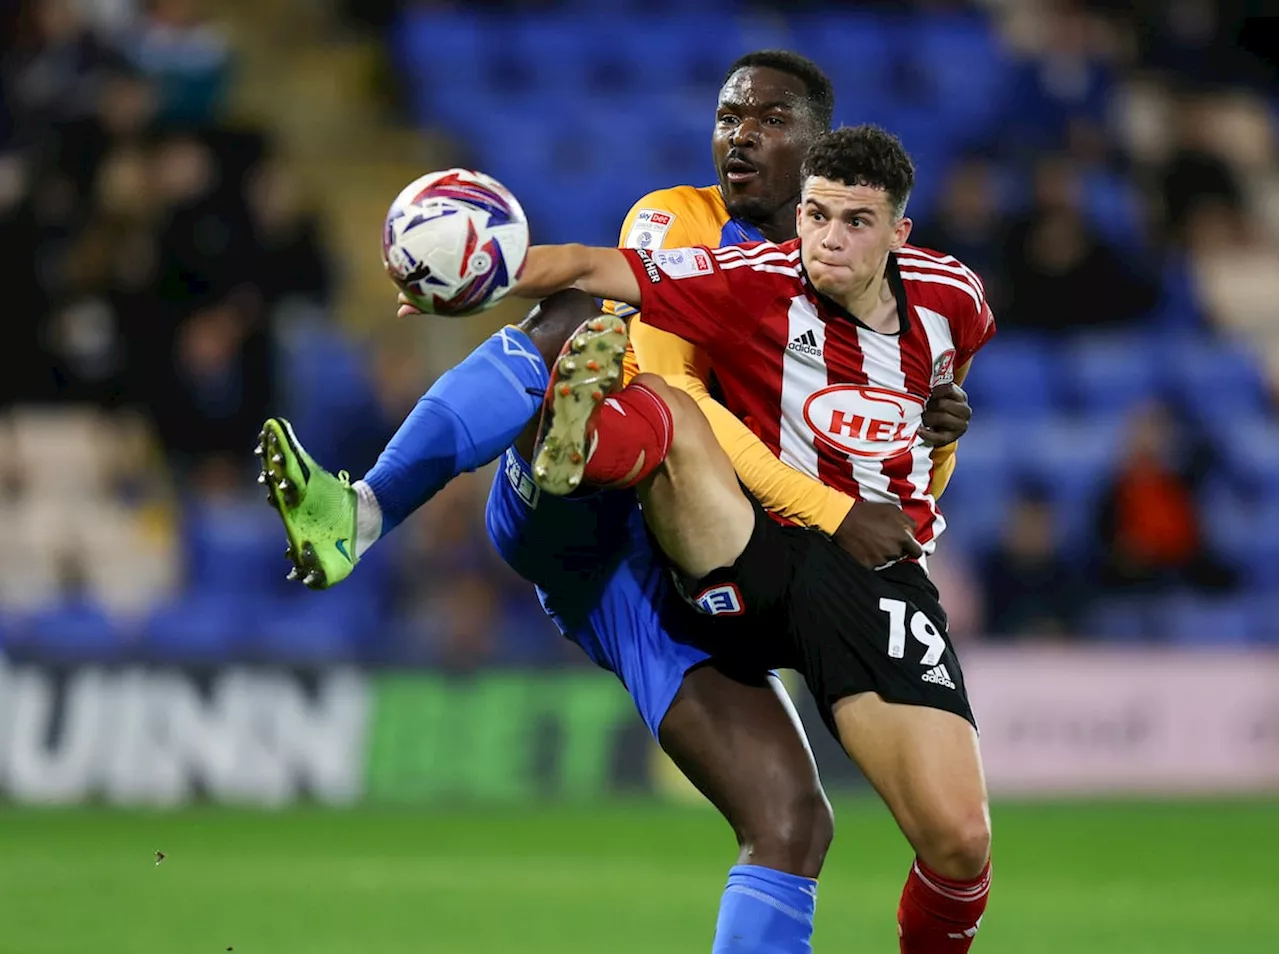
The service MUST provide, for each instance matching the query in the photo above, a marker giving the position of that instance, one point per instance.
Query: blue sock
(470, 415)
(765, 911)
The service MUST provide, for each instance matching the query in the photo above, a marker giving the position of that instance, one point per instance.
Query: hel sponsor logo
(683, 262)
(865, 422)
(722, 600)
(944, 369)
(650, 270)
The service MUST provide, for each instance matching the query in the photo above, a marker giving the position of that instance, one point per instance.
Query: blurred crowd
(168, 285)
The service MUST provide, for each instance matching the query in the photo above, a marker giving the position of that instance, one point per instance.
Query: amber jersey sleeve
(668, 218)
(779, 488)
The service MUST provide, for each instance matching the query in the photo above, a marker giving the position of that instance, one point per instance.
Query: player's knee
(792, 835)
(555, 318)
(687, 418)
(960, 848)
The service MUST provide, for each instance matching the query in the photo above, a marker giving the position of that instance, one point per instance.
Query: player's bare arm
(600, 272)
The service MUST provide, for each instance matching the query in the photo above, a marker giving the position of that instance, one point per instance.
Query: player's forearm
(600, 272)
(944, 465)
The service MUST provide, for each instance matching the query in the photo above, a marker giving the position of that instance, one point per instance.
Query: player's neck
(875, 306)
(781, 226)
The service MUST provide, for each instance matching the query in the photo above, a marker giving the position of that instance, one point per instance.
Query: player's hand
(946, 415)
(876, 534)
(407, 308)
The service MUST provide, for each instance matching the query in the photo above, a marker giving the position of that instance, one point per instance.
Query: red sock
(631, 427)
(939, 916)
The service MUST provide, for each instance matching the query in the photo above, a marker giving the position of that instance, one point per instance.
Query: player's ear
(901, 232)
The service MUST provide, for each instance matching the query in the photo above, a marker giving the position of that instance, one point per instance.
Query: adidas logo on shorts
(939, 675)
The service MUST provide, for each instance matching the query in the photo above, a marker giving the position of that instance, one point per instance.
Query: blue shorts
(598, 578)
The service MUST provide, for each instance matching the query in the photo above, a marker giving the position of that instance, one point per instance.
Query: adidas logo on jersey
(805, 344)
(939, 675)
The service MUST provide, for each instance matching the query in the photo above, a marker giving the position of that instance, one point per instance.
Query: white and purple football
(455, 242)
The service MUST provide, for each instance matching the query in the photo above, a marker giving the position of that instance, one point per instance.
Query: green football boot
(318, 509)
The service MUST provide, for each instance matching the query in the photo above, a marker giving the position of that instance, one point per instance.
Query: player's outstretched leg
(469, 416)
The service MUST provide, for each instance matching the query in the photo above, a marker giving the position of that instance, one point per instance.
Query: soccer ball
(455, 242)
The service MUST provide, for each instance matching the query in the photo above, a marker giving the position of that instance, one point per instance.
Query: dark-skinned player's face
(763, 126)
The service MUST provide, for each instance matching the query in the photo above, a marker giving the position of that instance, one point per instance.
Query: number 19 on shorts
(923, 631)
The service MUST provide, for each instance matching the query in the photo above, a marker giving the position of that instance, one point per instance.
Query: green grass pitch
(1128, 878)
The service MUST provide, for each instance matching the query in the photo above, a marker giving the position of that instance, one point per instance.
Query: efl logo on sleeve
(649, 229)
(722, 600)
(520, 480)
(683, 262)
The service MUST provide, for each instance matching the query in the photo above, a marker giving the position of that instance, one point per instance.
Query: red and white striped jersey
(829, 396)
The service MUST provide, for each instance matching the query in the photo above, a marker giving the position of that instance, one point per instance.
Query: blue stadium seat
(1215, 378)
(855, 49)
(231, 549)
(307, 628)
(1013, 376)
(76, 630)
(439, 55)
(1236, 528)
(1251, 450)
(1113, 207)
(1073, 460)
(964, 66)
(1110, 373)
(1179, 310)
(975, 500)
(1123, 620)
(197, 628)
(1209, 621)
(1264, 617)
(559, 53)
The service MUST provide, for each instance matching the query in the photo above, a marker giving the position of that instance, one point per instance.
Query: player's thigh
(694, 503)
(926, 765)
(552, 541)
(550, 322)
(738, 738)
(628, 632)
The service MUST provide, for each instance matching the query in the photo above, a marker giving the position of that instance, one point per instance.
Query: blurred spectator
(1060, 94)
(1148, 523)
(186, 55)
(1060, 274)
(1196, 174)
(54, 65)
(1031, 590)
(967, 222)
(960, 591)
(289, 250)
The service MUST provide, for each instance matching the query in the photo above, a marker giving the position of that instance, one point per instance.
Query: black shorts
(795, 600)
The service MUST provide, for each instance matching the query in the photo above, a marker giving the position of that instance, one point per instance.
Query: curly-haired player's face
(763, 126)
(846, 234)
